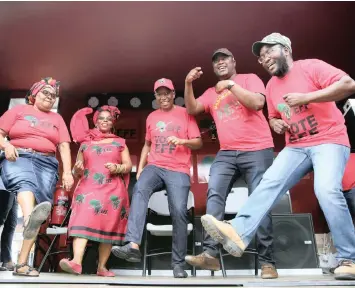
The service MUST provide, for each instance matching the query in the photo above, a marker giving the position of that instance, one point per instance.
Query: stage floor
(64, 280)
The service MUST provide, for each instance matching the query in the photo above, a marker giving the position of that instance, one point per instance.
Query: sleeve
(148, 137)
(192, 128)
(8, 119)
(64, 135)
(254, 84)
(205, 100)
(272, 112)
(322, 73)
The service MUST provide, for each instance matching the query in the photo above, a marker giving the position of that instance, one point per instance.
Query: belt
(30, 150)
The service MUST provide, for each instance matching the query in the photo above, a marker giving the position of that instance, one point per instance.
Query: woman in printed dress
(100, 202)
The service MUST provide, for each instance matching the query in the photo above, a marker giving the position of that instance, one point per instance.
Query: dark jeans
(227, 167)
(8, 221)
(350, 200)
(8, 232)
(177, 185)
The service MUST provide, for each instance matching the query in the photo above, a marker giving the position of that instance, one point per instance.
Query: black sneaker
(179, 272)
(127, 253)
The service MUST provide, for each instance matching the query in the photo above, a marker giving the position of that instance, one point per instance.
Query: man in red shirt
(300, 99)
(246, 148)
(170, 135)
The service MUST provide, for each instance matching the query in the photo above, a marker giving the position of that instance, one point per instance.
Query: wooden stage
(126, 279)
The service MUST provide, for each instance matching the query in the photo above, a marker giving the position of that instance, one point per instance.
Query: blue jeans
(30, 172)
(328, 162)
(8, 232)
(228, 166)
(177, 185)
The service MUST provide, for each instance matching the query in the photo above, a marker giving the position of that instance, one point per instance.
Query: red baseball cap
(163, 82)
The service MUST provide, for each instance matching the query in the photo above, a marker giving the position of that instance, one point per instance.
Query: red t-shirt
(30, 128)
(238, 127)
(349, 174)
(159, 126)
(315, 123)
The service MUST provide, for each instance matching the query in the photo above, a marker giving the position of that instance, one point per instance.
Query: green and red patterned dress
(100, 202)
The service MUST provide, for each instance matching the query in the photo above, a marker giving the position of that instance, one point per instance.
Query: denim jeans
(177, 185)
(328, 162)
(350, 200)
(8, 232)
(228, 166)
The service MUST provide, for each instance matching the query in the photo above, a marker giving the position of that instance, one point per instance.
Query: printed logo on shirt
(299, 129)
(283, 108)
(161, 126)
(35, 122)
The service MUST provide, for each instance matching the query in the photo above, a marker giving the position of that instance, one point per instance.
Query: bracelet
(120, 168)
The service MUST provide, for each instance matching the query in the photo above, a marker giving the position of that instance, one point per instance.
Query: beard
(282, 66)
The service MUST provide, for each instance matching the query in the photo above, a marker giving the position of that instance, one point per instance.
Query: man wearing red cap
(171, 133)
(300, 100)
(246, 148)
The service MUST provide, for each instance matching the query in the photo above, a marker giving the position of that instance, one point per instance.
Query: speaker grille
(294, 242)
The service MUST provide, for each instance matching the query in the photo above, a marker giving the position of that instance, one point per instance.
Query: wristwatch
(231, 83)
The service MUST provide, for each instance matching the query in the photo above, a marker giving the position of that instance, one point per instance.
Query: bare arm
(79, 165)
(65, 155)
(193, 144)
(335, 92)
(251, 100)
(144, 155)
(193, 107)
(64, 150)
(2, 139)
(126, 160)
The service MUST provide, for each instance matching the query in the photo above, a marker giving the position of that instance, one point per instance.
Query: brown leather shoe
(204, 261)
(225, 234)
(345, 270)
(268, 271)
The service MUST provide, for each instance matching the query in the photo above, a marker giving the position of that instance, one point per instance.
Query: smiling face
(223, 66)
(165, 98)
(273, 58)
(104, 122)
(45, 98)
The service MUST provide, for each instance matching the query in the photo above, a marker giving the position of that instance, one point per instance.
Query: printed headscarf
(36, 87)
(79, 128)
(79, 125)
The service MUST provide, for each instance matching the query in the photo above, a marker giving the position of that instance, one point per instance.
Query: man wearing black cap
(246, 148)
(300, 98)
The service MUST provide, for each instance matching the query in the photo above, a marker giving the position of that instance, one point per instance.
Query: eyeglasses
(267, 54)
(108, 119)
(49, 94)
(162, 94)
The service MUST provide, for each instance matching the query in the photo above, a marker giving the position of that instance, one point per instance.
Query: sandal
(26, 272)
(39, 214)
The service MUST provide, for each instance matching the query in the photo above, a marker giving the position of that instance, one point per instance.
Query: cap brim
(219, 52)
(257, 47)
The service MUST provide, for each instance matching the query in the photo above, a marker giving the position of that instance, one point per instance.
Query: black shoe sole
(125, 256)
(344, 276)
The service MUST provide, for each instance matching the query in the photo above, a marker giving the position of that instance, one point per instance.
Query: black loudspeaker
(283, 206)
(294, 242)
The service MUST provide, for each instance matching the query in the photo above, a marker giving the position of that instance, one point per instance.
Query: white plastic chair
(158, 204)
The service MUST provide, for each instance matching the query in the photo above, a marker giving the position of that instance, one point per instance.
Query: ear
(233, 60)
(174, 95)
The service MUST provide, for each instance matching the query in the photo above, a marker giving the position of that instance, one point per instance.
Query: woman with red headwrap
(29, 167)
(100, 202)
